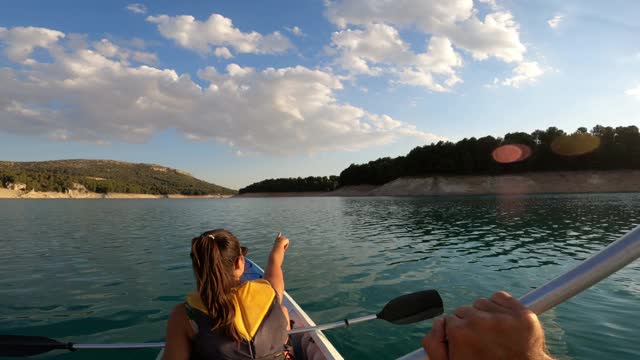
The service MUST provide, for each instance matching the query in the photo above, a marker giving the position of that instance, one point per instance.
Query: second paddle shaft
(345, 322)
(156, 345)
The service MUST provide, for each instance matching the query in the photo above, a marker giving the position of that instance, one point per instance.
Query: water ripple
(110, 271)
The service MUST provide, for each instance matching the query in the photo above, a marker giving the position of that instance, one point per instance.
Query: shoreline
(556, 182)
(618, 181)
(19, 194)
(282, 194)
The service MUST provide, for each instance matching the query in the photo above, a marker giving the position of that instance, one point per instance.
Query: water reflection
(471, 247)
(518, 229)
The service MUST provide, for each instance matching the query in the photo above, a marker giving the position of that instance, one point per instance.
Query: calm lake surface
(110, 270)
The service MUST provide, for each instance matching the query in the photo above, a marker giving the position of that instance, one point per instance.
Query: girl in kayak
(224, 319)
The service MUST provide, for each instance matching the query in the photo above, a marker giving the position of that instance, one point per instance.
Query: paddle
(19, 346)
(614, 257)
(405, 309)
(16, 345)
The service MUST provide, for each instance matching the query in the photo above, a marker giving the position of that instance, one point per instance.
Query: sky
(239, 91)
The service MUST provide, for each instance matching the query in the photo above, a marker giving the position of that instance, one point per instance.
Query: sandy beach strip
(17, 194)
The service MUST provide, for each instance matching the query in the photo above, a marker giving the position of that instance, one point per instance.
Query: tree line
(601, 148)
(311, 183)
(616, 148)
(104, 176)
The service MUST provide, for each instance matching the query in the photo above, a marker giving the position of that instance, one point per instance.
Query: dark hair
(213, 256)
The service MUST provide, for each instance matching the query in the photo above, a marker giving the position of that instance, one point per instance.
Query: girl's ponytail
(214, 255)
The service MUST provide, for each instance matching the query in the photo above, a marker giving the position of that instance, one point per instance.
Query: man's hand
(495, 328)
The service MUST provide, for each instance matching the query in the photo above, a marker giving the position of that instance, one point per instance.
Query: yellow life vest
(252, 299)
(258, 319)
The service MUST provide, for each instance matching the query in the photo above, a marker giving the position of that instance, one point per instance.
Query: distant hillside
(105, 176)
(603, 148)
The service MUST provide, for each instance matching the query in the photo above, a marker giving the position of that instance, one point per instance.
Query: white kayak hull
(314, 345)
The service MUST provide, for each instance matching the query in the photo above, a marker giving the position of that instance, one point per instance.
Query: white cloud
(295, 31)
(144, 57)
(136, 42)
(497, 36)
(217, 31)
(21, 41)
(429, 16)
(524, 73)
(137, 8)
(440, 60)
(106, 48)
(111, 50)
(555, 21)
(76, 41)
(491, 3)
(377, 43)
(378, 49)
(451, 24)
(275, 111)
(223, 52)
(635, 92)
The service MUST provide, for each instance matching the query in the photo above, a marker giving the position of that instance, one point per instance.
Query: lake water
(110, 270)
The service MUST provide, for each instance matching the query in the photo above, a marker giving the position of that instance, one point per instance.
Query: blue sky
(237, 91)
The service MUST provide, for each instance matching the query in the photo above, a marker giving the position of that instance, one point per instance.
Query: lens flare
(574, 145)
(511, 153)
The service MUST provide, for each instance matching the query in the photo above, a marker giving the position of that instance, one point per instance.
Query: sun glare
(511, 153)
(574, 145)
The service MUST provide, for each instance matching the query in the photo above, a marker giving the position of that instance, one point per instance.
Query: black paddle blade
(411, 308)
(17, 346)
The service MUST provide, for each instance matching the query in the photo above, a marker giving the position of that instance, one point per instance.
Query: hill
(104, 176)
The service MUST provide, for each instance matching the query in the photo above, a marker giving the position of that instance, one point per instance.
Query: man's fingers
(464, 312)
(487, 305)
(435, 343)
(505, 300)
(451, 322)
